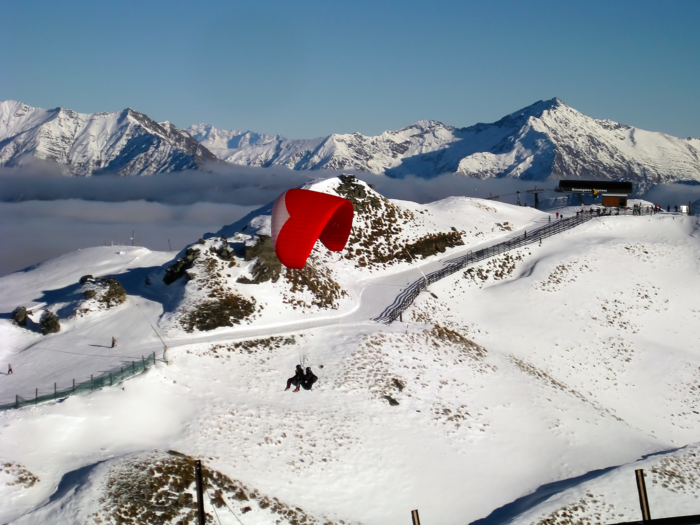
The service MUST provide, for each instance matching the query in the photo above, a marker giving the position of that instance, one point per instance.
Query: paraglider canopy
(299, 217)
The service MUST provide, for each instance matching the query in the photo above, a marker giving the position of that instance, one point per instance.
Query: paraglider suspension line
(419, 269)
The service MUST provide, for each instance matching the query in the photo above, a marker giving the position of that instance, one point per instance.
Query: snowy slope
(124, 142)
(388, 236)
(545, 140)
(540, 365)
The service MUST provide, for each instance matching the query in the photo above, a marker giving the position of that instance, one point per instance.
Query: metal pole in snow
(200, 491)
(414, 516)
(642, 490)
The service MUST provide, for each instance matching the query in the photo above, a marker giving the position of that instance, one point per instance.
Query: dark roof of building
(598, 186)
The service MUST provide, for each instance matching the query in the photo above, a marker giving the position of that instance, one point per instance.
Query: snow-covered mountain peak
(547, 139)
(225, 140)
(123, 142)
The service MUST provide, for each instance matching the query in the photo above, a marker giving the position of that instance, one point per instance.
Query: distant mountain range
(124, 142)
(545, 140)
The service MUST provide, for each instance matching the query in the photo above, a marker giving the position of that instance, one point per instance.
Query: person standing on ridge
(114, 342)
(9, 369)
(297, 379)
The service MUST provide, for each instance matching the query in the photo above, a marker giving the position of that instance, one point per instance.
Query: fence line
(109, 378)
(411, 292)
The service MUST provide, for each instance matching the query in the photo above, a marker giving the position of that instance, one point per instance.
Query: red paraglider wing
(299, 217)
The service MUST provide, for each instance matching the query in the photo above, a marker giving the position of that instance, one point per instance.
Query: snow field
(540, 365)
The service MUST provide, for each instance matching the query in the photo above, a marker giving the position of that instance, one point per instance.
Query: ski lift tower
(536, 191)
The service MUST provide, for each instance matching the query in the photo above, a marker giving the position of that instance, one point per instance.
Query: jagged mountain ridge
(123, 142)
(545, 140)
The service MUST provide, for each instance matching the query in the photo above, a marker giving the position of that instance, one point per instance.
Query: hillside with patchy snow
(541, 365)
(233, 277)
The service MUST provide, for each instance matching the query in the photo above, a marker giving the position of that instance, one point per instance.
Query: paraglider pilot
(297, 379)
(309, 379)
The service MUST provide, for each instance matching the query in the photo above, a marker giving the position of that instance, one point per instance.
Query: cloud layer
(34, 231)
(45, 215)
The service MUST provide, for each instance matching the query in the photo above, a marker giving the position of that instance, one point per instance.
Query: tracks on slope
(411, 292)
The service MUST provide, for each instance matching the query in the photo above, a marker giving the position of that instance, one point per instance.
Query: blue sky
(305, 69)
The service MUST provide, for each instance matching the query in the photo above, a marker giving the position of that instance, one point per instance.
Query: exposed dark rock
(431, 244)
(325, 292)
(19, 316)
(391, 401)
(180, 267)
(222, 311)
(268, 267)
(85, 278)
(224, 252)
(114, 294)
(350, 188)
(49, 323)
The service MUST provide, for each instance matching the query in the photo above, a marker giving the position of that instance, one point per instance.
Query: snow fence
(110, 378)
(409, 294)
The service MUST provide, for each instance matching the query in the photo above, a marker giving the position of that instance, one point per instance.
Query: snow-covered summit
(547, 139)
(123, 142)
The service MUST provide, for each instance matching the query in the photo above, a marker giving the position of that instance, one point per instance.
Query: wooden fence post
(36, 396)
(200, 491)
(54, 390)
(642, 490)
(73, 385)
(414, 516)
(90, 382)
(16, 400)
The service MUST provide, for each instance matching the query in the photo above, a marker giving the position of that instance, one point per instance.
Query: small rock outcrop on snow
(99, 293)
(49, 323)
(19, 316)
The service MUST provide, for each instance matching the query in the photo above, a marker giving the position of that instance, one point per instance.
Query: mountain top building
(614, 193)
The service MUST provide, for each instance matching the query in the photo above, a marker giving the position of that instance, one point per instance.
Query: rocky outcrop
(181, 265)
(19, 316)
(99, 293)
(49, 323)
(267, 267)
